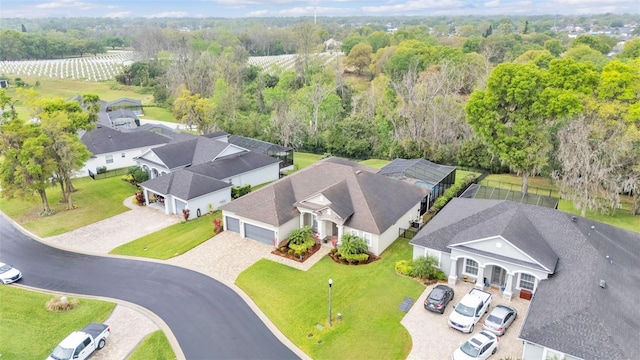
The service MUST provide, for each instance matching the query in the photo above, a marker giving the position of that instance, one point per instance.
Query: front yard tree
(512, 116)
(60, 120)
(26, 163)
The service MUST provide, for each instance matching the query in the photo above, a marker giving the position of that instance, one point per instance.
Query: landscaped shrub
(138, 174)
(238, 191)
(300, 236)
(352, 245)
(355, 258)
(451, 192)
(425, 267)
(139, 198)
(128, 178)
(217, 226)
(61, 303)
(404, 267)
(304, 247)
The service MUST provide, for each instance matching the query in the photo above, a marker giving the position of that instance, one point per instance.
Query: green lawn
(171, 241)
(29, 331)
(154, 346)
(544, 186)
(367, 296)
(158, 113)
(302, 160)
(95, 200)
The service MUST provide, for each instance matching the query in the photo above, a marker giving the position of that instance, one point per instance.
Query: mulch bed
(304, 257)
(338, 260)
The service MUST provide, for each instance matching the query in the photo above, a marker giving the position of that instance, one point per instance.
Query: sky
(281, 8)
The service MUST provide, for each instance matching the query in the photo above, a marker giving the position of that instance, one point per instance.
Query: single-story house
(581, 275)
(437, 178)
(197, 172)
(115, 149)
(334, 197)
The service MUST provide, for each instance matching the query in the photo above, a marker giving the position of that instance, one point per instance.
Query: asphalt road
(209, 320)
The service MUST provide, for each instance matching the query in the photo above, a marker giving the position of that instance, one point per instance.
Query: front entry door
(498, 276)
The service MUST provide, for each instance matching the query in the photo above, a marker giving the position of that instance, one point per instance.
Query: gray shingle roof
(184, 184)
(185, 151)
(231, 165)
(377, 201)
(569, 311)
(104, 140)
(260, 146)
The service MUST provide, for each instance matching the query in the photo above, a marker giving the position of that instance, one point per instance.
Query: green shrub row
(238, 191)
(424, 267)
(304, 247)
(355, 258)
(451, 192)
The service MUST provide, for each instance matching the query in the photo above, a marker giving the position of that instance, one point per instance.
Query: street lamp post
(330, 283)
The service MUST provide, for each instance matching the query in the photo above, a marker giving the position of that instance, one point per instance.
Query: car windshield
(436, 294)
(4, 268)
(469, 349)
(494, 319)
(60, 353)
(464, 310)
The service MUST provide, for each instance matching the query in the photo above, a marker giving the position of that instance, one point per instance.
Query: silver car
(500, 318)
(9, 274)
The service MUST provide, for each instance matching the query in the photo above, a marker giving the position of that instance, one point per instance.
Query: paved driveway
(433, 339)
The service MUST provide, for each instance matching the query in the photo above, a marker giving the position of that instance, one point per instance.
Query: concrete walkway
(218, 258)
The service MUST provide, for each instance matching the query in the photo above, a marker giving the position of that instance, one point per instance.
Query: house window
(471, 267)
(367, 238)
(355, 232)
(527, 281)
(109, 159)
(123, 155)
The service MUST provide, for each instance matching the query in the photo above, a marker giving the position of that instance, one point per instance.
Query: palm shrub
(353, 248)
(425, 267)
(299, 236)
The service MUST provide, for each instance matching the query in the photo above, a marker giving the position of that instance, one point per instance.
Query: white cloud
(494, 3)
(413, 6)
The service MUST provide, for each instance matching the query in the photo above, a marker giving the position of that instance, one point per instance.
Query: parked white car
(79, 345)
(480, 346)
(469, 310)
(9, 274)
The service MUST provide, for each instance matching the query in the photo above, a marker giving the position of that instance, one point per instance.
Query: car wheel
(494, 350)
(101, 344)
(471, 329)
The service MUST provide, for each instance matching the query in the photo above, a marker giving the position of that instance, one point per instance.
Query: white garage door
(233, 224)
(257, 233)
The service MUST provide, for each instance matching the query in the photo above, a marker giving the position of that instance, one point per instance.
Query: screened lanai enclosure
(423, 173)
(274, 150)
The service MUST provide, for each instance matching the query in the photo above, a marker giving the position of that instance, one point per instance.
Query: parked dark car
(438, 298)
(499, 319)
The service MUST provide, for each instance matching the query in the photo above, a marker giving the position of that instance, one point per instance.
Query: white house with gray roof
(583, 275)
(115, 149)
(197, 172)
(333, 197)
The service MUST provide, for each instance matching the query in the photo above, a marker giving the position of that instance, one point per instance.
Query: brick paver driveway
(433, 339)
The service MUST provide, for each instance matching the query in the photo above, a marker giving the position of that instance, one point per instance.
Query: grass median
(29, 331)
(173, 240)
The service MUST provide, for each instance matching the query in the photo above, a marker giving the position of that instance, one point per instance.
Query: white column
(146, 197)
(480, 278)
(340, 231)
(508, 287)
(453, 272)
(321, 232)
